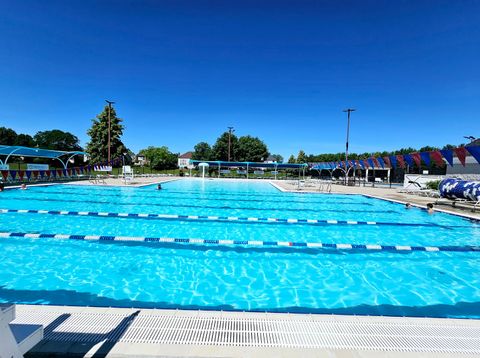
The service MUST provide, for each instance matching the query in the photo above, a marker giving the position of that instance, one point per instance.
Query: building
(471, 165)
(271, 159)
(184, 160)
(140, 160)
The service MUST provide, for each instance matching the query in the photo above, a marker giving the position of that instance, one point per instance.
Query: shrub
(434, 184)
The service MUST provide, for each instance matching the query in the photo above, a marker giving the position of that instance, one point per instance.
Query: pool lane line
(290, 221)
(236, 194)
(184, 197)
(315, 245)
(66, 200)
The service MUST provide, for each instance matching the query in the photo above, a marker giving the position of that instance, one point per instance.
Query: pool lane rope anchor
(313, 245)
(214, 218)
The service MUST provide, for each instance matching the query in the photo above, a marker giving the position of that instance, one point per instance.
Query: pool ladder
(325, 187)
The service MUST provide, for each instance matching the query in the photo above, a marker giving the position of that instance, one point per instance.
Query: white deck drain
(70, 324)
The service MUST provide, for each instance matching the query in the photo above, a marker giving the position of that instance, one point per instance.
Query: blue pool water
(55, 271)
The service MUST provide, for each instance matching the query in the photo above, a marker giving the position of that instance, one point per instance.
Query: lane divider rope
(315, 245)
(216, 207)
(185, 197)
(213, 218)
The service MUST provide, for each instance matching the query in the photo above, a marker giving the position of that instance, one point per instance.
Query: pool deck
(122, 332)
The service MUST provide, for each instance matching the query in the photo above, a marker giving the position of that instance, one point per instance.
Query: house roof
(187, 155)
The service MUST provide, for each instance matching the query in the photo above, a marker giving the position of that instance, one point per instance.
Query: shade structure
(19, 151)
(250, 164)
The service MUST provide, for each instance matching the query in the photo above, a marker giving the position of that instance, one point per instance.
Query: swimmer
(2, 187)
(430, 208)
(159, 187)
(408, 206)
(23, 186)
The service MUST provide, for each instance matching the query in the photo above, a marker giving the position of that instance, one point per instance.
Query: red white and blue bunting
(438, 157)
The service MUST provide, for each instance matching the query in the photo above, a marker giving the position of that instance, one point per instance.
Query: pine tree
(301, 157)
(291, 159)
(97, 148)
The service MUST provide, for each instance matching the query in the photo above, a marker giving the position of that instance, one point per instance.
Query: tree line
(50, 139)
(242, 149)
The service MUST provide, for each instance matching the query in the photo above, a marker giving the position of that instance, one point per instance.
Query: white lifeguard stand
(127, 173)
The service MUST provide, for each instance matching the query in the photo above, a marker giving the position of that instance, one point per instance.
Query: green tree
(251, 149)
(428, 149)
(160, 158)
(97, 148)
(202, 151)
(405, 150)
(291, 159)
(25, 140)
(57, 140)
(301, 157)
(448, 146)
(277, 157)
(220, 148)
(7, 136)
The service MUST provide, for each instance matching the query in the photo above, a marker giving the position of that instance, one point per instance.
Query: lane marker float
(316, 245)
(291, 221)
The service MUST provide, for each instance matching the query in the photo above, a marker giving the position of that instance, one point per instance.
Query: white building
(471, 166)
(271, 159)
(184, 160)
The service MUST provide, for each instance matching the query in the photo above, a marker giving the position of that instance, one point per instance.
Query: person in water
(408, 206)
(23, 186)
(2, 187)
(159, 187)
(430, 208)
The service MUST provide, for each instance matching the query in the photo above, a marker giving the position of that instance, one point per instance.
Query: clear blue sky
(182, 71)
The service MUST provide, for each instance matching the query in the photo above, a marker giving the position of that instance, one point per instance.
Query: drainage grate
(67, 324)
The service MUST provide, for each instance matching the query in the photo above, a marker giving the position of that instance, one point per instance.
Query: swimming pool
(247, 269)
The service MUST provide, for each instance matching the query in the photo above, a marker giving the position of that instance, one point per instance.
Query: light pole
(348, 110)
(109, 110)
(230, 131)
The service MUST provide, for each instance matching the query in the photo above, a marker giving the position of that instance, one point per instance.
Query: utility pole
(348, 110)
(109, 110)
(230, 131)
